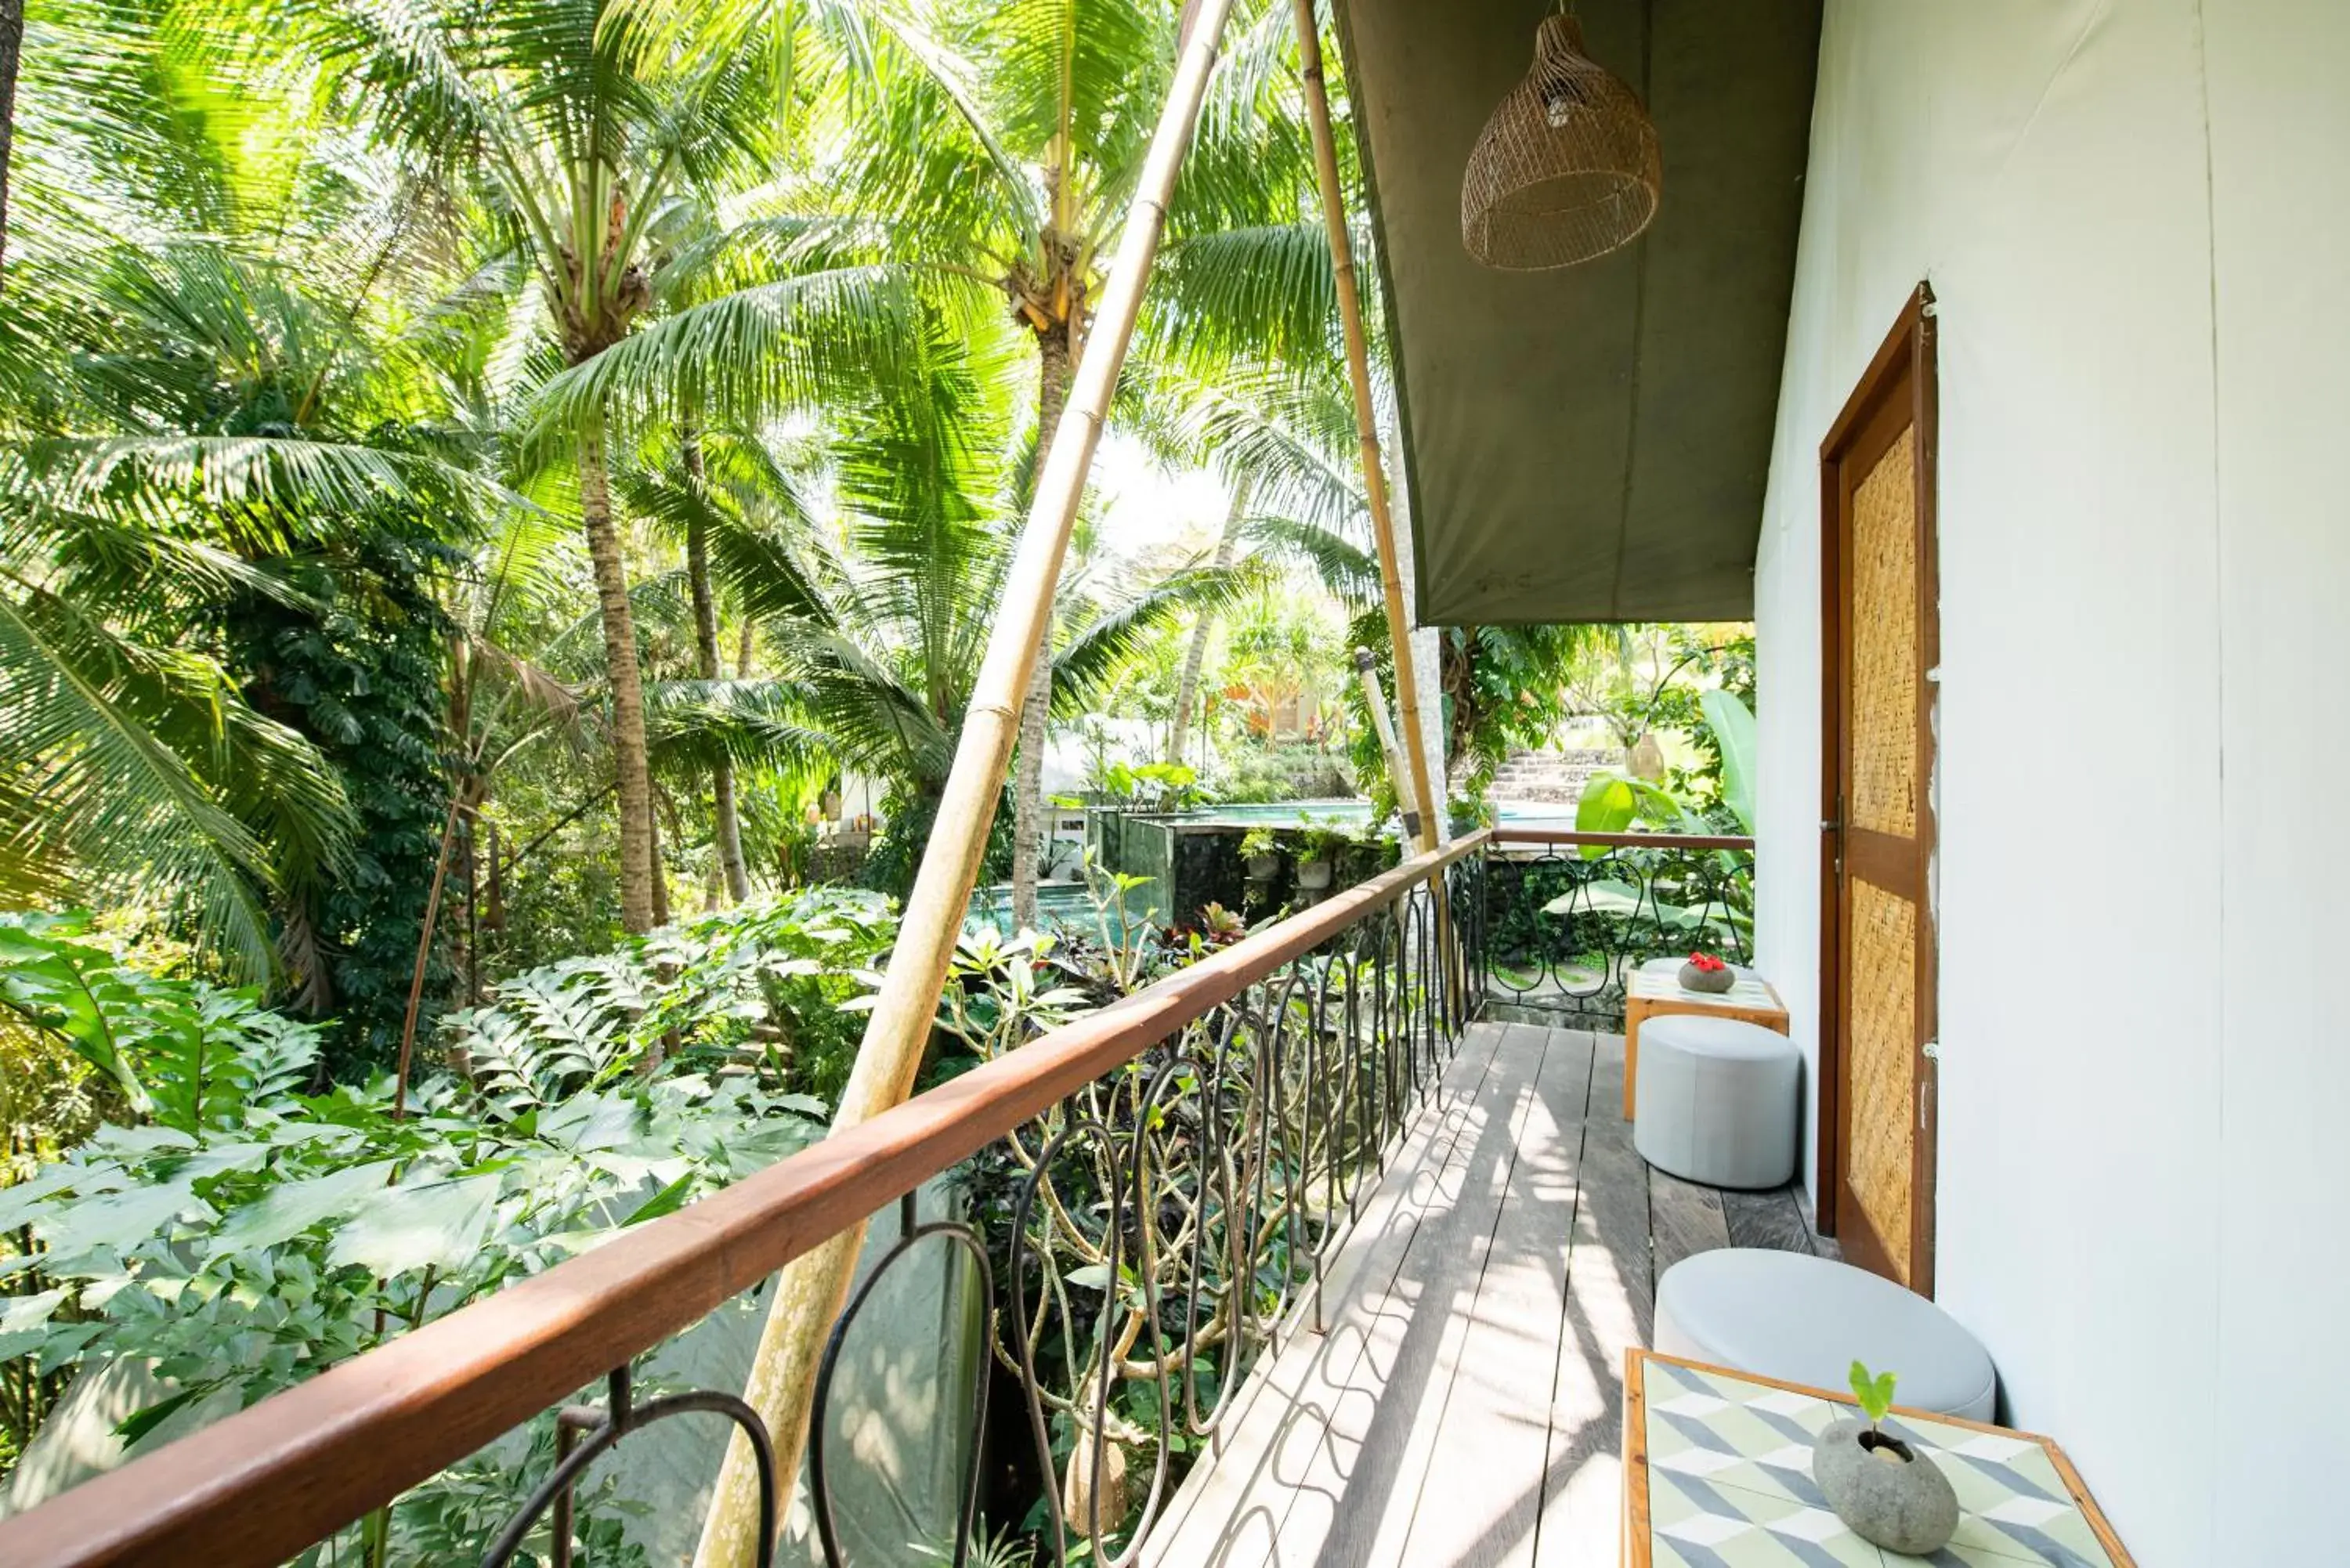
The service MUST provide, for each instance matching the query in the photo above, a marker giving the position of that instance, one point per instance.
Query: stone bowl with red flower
(1707, 975)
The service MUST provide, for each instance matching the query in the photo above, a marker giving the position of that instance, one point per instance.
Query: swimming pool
(1352, 813)
(1183, 867)
(1057, 904)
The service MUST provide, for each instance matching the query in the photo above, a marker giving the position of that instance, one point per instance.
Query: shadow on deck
(1462, 1402)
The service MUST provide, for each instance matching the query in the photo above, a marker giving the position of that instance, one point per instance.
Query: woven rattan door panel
(1876, 925)
(1880, 1064)
(1884, 669)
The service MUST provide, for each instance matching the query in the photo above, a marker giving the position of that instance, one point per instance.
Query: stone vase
(1264, 867)
(1707, 983)
(1314, 875)
(1891, 1495)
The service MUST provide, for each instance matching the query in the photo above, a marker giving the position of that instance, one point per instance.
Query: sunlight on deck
(1463, 1404)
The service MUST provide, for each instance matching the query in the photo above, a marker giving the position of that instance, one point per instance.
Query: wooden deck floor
(1462, 1403)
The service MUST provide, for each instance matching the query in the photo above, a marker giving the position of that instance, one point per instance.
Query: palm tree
(194, 423)
(726, 823)
(1005, 145)
(592, 132)
(877, 598)
(1203, 626)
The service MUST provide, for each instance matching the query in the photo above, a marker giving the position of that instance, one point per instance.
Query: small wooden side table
(1718, 1471)
(1652, 995)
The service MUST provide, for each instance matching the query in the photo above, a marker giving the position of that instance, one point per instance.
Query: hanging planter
(1707, 975)
(1567, 167)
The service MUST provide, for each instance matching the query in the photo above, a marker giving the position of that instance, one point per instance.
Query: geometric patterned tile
(1730, 1484)
(1699, 1525)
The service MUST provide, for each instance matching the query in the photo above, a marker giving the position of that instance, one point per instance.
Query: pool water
(1057, 904)
(1353, 813)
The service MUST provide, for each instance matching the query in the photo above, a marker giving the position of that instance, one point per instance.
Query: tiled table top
(1718, 1474)
(1750, 994)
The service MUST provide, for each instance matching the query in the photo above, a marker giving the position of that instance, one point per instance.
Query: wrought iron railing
(1569, 916)
(1149, 1197)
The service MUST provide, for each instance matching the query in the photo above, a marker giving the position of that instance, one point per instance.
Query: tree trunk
(661, 868)
(12, 41)
(635, 786)
(727, 827)
(1187, 687)
(1028, 820)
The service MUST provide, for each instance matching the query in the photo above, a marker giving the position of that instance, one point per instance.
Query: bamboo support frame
(1366, 671)
(1367, 433)
(811, 1292)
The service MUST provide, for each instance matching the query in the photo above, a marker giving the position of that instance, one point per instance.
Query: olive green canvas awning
(1589, 444)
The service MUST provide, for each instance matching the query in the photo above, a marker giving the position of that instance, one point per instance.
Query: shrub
(241, 1234)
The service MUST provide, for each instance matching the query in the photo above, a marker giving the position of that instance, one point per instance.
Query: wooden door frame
(1901, 373)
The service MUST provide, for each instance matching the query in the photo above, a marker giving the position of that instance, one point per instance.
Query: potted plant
(1889, 1493)
(1706, 975)
(1317, 855)
(1261, 854)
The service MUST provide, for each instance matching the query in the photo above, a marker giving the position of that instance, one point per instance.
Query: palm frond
(755, 352)
(1090, 661)
(1348, 570)
(86, 719)
(693, 725)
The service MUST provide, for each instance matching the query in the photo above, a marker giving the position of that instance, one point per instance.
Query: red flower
(1706, 963)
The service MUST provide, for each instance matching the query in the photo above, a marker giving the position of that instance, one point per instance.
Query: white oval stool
(1801, 1319)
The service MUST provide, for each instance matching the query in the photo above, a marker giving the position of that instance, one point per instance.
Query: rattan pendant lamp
(1566, 168)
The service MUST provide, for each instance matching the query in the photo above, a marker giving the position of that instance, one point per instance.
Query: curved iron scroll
(620, 1417)
(911, 1235)
(1157, 1232)
(1565, 929)
(1170, 1222)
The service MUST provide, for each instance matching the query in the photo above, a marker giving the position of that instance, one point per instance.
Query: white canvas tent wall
(2133, 213)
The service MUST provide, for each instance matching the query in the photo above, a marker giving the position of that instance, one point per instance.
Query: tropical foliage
(233, 1230)
(482, 486)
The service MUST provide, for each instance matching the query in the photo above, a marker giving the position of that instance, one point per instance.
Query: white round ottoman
(1718, 1100)
(1805, 1320)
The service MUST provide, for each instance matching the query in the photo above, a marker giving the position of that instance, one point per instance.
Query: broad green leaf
(142, 1140)
(668, 1200)
(1613, 803)
(439, 1225)
(139, 1423)
(118, 1221)
(1607, 806)
(592, 1122)
(296, 1207)
(23, 1201)
(225, 1158)
(25, 1312)
(1732, 723)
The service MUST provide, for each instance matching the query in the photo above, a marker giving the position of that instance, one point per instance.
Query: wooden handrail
(1505, 834)
(265, 1483)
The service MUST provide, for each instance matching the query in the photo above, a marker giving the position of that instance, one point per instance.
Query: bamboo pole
(810, 1292)
(1367, 434)
(1366, 671)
